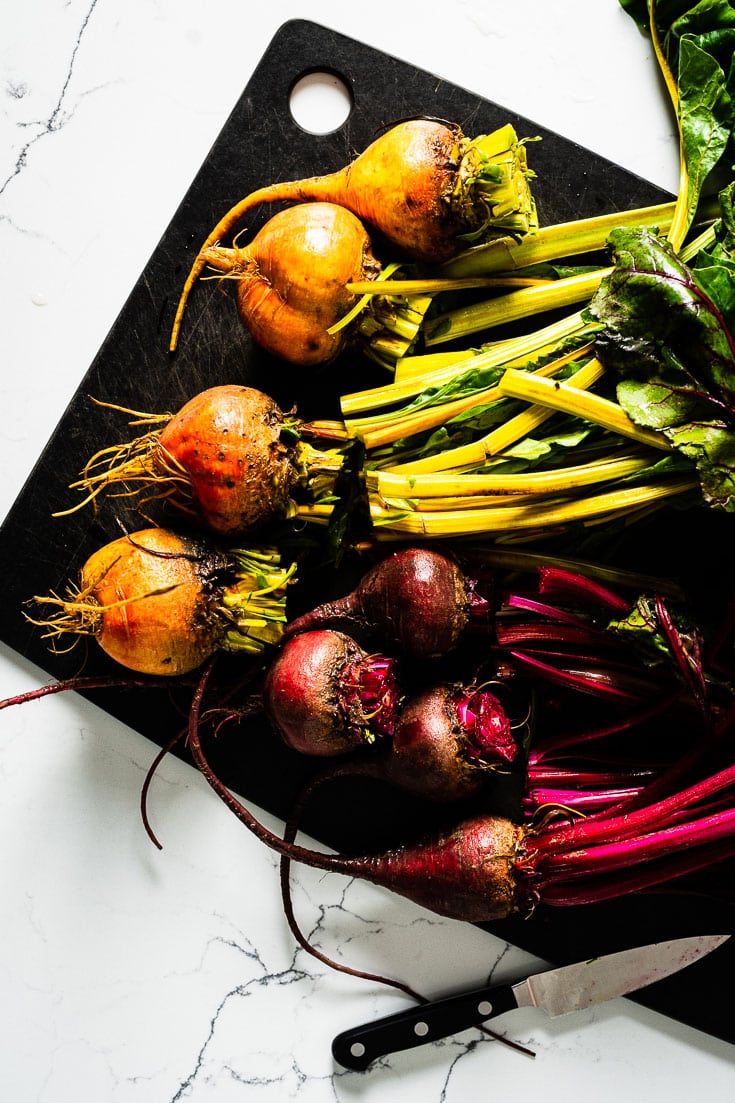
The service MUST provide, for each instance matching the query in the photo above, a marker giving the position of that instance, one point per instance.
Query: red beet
(445, 742)
(416, 600)
(490, 868)
(469, 873)
(326, 696)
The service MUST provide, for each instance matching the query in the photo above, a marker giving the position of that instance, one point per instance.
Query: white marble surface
(128, 974)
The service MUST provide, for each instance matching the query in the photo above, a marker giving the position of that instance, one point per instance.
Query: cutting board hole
(320, 102)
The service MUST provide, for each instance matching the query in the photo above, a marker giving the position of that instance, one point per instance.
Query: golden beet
(161, 603)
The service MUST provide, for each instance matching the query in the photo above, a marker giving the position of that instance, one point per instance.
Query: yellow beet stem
(571, 399)
(476, 452)
(392, 485)
(682, 214)
(254, 606)
(377, 432)
(388, 320)
(534, 516)
(463, 501)
(564, 239)
(418, 364)
(435, 285)
(553, 295)
(494, 355)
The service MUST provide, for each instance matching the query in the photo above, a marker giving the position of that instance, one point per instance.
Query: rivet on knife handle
(358, 1047)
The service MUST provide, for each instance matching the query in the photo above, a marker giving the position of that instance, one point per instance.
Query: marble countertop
(129, 974)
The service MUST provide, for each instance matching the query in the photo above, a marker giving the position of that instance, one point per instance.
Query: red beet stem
(543, 634)
(610, 684)
(576, 777)
(622, 853)
(668, 872)
(647, 818)
(681, 767)
(690, 665)
(569, 584)
(547, 746)
(543, 609)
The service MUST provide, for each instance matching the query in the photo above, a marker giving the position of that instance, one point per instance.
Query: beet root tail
(326, 615)
(468, 873)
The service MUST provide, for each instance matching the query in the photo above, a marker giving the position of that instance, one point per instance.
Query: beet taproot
(326, 696)
(416, 600)
(160, 602)
(229, 459)
(423, 185)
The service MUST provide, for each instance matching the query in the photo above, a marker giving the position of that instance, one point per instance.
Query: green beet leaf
(697, 44)
(705, 116)
(711, 447)
(668, 342)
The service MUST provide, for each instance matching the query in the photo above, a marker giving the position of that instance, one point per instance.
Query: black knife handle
(357, 1048)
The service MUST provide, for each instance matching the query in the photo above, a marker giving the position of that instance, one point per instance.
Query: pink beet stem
(577, 800)
(667, 872)
(610, 857)
(595, 683)
(556, 580)
(642, 820)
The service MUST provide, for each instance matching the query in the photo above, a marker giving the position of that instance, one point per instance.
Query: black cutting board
(260, 142)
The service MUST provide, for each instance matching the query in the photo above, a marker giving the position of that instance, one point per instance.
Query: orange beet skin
(225, 444)
(151, 591)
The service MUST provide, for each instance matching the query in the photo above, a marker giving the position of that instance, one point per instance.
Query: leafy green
(659, 317)
(637, 10)
(697, 42)
(705, 117)
(666, 336)
(656, 641)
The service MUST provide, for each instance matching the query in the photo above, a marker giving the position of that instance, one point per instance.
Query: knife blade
(557, 991)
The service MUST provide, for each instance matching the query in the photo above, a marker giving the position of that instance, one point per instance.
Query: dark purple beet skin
(325, 696)
(470, 873)
(446, 739)
(417, 601)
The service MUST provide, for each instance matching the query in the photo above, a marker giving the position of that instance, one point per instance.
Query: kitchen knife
(557, 991)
